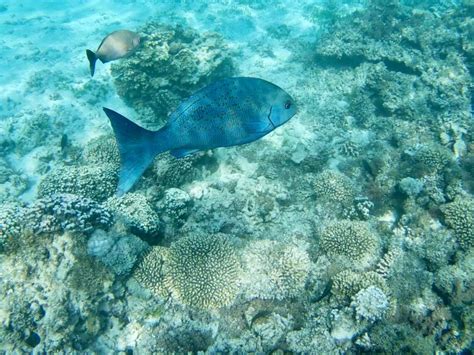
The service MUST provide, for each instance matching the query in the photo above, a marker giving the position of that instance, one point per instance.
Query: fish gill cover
(349, 229)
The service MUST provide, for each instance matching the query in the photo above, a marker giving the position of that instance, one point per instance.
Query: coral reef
(172, 63)
(348, 230)
(41, 311)
(203, 271)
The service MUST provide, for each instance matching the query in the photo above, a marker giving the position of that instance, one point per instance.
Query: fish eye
(287, 104)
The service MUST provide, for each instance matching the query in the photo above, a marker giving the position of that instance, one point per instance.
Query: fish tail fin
(137, 146)
(92, 59)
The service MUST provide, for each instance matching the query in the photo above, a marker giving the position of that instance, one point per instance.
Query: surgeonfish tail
(92, 59)
(137, 146)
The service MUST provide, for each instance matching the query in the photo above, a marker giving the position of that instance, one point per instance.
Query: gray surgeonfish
(228, 112)
(114, 46)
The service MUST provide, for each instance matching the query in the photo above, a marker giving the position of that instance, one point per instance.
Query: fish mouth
(269, 116)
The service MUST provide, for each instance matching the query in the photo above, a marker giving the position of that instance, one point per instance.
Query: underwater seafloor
(349, 229)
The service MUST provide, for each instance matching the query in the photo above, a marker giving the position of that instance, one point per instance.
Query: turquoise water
(348, 229)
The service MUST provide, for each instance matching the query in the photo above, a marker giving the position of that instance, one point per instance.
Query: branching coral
(66, 212)
(203, 271)
(459, 215)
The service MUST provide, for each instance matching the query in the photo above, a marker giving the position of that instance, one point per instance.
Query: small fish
(229, 112)
(114, 46)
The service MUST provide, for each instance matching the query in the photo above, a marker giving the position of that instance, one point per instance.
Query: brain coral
(172, 63)
(459, 215)
(151, 270)
(333, 186)
(351, 240)
(203, 271)
(274, 270)
(96, 182)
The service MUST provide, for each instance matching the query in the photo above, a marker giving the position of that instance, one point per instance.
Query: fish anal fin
(181, 153)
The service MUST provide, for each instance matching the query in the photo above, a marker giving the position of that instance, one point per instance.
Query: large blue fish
(228, 112)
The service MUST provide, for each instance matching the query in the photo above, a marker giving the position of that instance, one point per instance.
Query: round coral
(203, 271)
(459, 215)
(333, 186)
(11, 222)
(432, 158)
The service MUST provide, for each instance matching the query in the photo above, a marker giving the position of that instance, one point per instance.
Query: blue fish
(228, 112)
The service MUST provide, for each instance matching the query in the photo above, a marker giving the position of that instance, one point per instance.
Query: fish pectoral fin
(181, 153)
(257, 127)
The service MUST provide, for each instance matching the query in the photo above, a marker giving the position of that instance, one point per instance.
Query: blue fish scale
(229, 112)
(216, 118)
